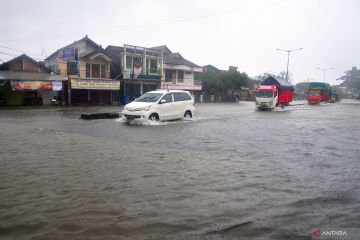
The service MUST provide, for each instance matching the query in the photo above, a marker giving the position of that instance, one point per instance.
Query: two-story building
(87, 67)
(139, 68)
(178, 72)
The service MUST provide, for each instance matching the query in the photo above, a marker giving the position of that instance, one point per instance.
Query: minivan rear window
(179, 96)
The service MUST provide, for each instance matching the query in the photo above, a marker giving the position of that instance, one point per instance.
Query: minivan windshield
(264, 94)
(149, 97)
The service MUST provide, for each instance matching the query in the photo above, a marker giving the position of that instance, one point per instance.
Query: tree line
(223, 85)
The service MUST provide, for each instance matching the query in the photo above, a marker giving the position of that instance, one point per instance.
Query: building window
(128, 62)
(95, 73)
(88, 70)
(168, 75)
(103, 71)
(153, 66)
(137, 60)
(72, 68)
(180, 76)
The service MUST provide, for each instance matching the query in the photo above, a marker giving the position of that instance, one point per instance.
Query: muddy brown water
(231, 172)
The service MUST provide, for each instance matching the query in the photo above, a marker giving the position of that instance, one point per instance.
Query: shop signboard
(57, 86)
(95, 84)
(36, 85)
(31, 85)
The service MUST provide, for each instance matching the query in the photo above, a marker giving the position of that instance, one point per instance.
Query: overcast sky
(242, 33)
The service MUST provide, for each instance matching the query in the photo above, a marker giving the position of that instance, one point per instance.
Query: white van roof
(166, 91)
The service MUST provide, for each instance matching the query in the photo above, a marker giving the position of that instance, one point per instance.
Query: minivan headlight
(147, 108)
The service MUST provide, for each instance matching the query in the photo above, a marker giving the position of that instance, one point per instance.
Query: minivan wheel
(154, 117)
(188, 114)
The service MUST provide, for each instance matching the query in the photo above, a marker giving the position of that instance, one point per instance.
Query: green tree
(352, 81)
(281, 74)
(265, 75)
(224, 84)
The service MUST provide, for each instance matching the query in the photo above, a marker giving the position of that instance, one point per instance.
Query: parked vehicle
(334, 97)
(161, 105)
(55, 101)
(319, 92)
(273, 92)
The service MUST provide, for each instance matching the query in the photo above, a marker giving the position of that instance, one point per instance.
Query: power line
(21, 50)
(10, 54)
(16, 55)
(155, 23)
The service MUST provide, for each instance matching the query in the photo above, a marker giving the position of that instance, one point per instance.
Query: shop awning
(30, 76)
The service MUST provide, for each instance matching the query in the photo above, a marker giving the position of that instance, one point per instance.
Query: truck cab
(315, 96)
(266, 97)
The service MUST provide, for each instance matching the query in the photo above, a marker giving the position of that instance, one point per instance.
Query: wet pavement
(230, 172)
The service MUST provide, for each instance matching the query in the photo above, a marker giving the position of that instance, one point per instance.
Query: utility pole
(132, 79)
(324, 69)
(288, 59)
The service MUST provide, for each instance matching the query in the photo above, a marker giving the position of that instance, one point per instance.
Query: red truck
(319, 92)
(273, 92)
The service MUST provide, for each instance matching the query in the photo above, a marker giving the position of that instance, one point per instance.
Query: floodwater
(230, 172)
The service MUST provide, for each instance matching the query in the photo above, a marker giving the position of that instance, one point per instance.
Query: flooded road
(230, 172)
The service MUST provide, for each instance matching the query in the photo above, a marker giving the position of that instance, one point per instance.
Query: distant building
(24, 81)
(210, 68)
(145, 63)
(178, 72)
(86, 65)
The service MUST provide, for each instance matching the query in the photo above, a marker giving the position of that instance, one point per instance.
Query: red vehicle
(273, 92)
(319, 92)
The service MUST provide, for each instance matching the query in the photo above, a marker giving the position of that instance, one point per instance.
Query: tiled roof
(114, 52)
(88, 40)
(177, 59)
(163, 48)
(5, 65)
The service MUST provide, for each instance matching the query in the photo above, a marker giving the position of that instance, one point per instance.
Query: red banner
(31, 85)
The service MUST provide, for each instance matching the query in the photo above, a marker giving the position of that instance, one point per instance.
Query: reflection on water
(230, 172)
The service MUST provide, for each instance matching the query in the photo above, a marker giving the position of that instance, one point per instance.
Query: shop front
(29, 89)
(94, 91)
(26, 82)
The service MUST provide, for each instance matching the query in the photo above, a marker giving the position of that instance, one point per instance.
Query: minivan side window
(168, 97)
(179, 96)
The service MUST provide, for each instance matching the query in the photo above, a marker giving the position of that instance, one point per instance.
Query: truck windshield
(149, 97)
(264, 94)
(314, 94)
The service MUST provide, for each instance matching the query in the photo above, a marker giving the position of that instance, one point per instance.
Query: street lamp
(324, 69)
(288, 52)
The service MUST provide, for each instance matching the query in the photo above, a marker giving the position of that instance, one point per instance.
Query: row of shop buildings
(85, 73)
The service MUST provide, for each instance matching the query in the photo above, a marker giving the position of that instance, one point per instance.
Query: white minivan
(161, 105)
